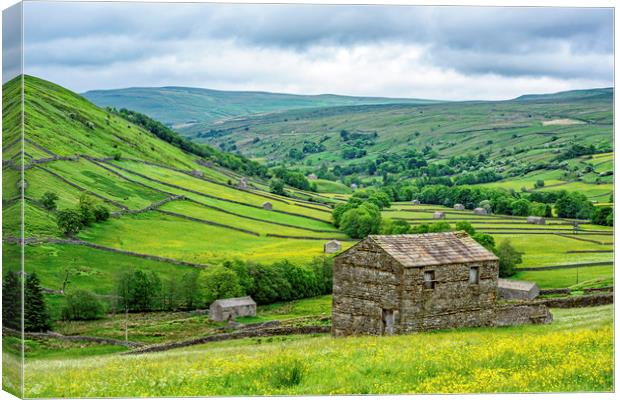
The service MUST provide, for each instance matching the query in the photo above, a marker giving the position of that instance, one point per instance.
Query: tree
(139, 291)
(69, 221)
(49, 200)
(395, 227)
(487, 241)
(86, 209)
(466, 226)
(11, 300)
(36, 317)
(219, 283)
(508, 259)
(101, 213)
(276, 186)
(361, 221)
(600, 216)
(81, 305)
(520, 207)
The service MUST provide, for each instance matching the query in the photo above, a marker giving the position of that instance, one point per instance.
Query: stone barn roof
(433, 248)
(234, 302)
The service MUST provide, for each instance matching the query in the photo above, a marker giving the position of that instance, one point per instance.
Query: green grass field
(574, 353)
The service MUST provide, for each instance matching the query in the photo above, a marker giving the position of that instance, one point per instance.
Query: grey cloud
(562, 43)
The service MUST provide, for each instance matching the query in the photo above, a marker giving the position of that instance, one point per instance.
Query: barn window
(429, 279)
(474, 275)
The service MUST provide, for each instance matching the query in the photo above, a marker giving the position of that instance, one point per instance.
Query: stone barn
(480, 211)
(536, 220)
(229, 309)
(415, 202)
(439, 215)
(242, 184)
(517, 290)
(459, 207)
(389, 284)
(332, 246)
(354, 186)
(267, 206)
(312, 177)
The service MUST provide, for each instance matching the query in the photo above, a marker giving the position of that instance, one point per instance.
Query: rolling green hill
(171, 211)
(180, 106)
(518, 140)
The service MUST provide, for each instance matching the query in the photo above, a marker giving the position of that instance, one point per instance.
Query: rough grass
(575, 353)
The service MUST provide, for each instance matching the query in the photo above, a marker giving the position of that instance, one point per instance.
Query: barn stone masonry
(409, 283)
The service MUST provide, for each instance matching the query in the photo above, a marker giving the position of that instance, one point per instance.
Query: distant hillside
(587, 94)
(513, 138)
(184, 105)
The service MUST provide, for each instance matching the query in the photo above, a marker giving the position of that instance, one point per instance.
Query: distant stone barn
(459, 207)
(439, 215)
(267, 206)
(536, 220)
(389, 284)
(517, 290)
(229, 309)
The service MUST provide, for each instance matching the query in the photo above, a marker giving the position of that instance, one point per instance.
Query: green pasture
(574, 353)
(562, 278)
(297, 220)
(200, 212)
(105, 183)
(167, 236)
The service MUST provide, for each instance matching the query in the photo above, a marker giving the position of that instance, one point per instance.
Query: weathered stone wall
(521, 314)
(453, 302)
(366, 282)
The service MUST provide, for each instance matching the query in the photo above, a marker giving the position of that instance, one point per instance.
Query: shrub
(603, 216)
(101, 213)
(11, 300)
(466, 226)
(277, 186)
(361, 221)
(395, 227)
(49, 200)
(508, 259)
(219, 283)
(69, 221)
(81, 305)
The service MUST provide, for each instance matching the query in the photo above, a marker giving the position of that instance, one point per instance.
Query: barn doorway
(388, 322)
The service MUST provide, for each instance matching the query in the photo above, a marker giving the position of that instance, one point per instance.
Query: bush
(49, 200)
(81, 306)
(101, 213)
(395, 227)
(508, 259)
(466, 226)
(361, 221)
(219, 283)
(603, 216)
(69, 221)
(276, 186)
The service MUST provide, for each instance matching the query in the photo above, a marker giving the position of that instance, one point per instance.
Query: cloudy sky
(398, 51)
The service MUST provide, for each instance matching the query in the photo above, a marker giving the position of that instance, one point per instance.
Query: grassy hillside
(164, 203)
(180, 106)
(521, 140)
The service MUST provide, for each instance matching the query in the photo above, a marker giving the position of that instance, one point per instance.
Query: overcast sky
(398, 51)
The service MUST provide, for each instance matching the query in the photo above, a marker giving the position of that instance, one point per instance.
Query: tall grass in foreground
(573, 354)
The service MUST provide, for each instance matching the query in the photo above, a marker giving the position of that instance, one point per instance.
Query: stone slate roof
(515, 285)
(433, 248)
(234, 302)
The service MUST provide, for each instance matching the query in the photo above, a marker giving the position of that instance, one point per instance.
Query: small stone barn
(415, 202)
(389, 284)
(332, 246)
(536, 220)
(480, 211)
(225, 309)
(459, 207)
(517, 290)
(267, 206)
(312, 177)
(439, 215)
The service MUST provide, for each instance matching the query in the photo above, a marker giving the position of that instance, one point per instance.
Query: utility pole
(126, 323)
